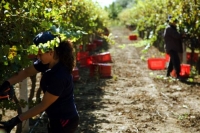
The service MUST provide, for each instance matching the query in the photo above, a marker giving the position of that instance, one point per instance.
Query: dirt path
(133, 101)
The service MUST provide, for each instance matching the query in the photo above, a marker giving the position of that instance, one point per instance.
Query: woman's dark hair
(65, 54)
(64, 51)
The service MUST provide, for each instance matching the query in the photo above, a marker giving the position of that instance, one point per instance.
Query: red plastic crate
(156, 63)
(100, 69)
(105, 70)
(132, 37)
(86, 61)
(185, 70)
(167, 57)
(98, 42)
(75, 74)
(195, 56)
(81, 55)
(102, 58)
(81, 47)
(91, 46)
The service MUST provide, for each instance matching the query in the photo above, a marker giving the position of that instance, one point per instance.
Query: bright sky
(104, 3)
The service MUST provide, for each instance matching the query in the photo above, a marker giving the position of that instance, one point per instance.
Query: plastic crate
(98, 42)
(86, 61)
(185, 70)
(100, 69)
(132, 37)
(102, 58)
(189, 56)
(156, 63)
(167, 57)
(91, 47)
(81, 55)
(75, 74)
(81, 47)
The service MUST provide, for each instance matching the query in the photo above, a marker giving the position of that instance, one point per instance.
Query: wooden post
(23, 86)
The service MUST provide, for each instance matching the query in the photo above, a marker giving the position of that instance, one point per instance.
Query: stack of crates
(101, 65)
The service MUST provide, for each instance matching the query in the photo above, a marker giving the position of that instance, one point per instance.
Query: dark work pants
(63, 126)
(174, 63)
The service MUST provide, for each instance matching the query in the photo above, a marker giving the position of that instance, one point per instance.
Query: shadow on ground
(89, 92)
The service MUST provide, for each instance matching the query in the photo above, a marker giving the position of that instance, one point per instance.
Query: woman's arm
(21, 75)
(47, 100)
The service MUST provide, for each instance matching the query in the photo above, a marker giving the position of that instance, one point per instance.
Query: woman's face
(45, 58)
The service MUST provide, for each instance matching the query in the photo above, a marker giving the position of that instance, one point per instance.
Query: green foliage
(21, 20)
(122, 46)
(126, 3)
(141, 43)
(114, 10)
(149, 18)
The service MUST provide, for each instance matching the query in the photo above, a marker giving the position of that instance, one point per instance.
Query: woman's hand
(10, 124)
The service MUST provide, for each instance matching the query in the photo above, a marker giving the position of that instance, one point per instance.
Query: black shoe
(180, 78)
(168, 75)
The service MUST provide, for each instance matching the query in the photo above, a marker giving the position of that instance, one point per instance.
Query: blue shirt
(59, 82)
